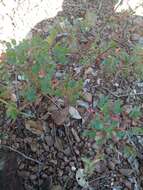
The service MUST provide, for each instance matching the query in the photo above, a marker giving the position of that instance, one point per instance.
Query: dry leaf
(34, 126)
(60, 116)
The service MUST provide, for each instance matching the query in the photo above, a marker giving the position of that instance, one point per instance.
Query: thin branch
(123, 95)
(22, 154)
(51, 99)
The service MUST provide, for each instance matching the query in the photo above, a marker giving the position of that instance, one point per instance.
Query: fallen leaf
(81, 178)
(74, 113)
(58, 144)
(34, 126)
(60, 116)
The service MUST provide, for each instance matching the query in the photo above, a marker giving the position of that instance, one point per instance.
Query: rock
(83, 104)
(126, 172)
(77, 152)
(49, 140)
(67, 151)
(46, 147)
(58, 144)
(60, 173)
(111, 165)
(22, 165)
(74, 113)
(59, 75)
(33, 177)
(128, 184)
(33, 146)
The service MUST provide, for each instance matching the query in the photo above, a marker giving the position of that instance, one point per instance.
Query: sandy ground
(17, 17)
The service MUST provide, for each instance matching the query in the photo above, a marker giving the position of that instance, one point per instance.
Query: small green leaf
(31, 94)
(97, 124)
(102, 101)
(117, 109)
(12, 111)
(90, 134)
(120, 134)
(135, 113)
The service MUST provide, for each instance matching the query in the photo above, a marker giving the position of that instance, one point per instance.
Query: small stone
(33, 177)
(126, 172)
(46, 147)
(58, 144)
(73, 168)
(65, 159)
(72, 164)
(77, 152)
(21, 166)
(67, 151)
(49, 140)
(128, 184)
(83, 104)
(45, 176)
(59, 75)
(60, 155)
(33, 146)
(60, 173)
(111, 165)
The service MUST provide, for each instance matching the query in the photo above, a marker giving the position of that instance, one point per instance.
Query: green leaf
(12, 111)
(60, 53)
(117, 109)
(136, 130)
(135, 113)
(121, 134)
(45, 84)
(102, 101)
(97, 124)
(31, 94)
(35, 68)
(90, 134)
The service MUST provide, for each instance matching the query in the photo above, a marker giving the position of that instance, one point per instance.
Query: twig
(123, 95)
(98, 178)
(118, 5)
(50, 98)
(22, 154)
(102, 53)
